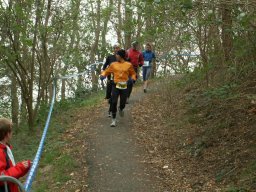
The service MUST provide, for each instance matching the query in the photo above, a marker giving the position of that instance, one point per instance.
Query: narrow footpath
(114, 159)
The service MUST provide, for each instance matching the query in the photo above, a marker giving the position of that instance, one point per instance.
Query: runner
(136, 58)
(149, 59)
(110, 59)
(122, 70)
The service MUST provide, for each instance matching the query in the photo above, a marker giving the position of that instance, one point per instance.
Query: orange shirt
(121, 70)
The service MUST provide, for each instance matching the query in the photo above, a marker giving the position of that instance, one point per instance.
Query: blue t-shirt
(148, 57)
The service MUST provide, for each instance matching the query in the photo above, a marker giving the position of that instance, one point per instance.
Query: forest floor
(170, 139)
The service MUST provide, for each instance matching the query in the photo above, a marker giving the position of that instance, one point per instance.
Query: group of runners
(122, 71)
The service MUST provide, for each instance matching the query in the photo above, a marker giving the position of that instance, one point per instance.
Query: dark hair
(116, 46)
(5, 127)
(148, 44)
(121, 53)
(135, 43)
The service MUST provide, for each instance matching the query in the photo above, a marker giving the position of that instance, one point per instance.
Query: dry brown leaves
(182, 155)
(76, 147)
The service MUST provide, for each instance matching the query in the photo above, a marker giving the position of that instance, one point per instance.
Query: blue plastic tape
(35, 163)
(32, 172)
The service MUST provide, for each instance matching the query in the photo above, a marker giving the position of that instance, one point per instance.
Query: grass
(43, 188)
(61, 164)
(248, 175)
(221, 113)
(235, 189)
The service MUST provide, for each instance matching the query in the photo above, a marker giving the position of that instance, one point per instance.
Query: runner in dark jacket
(110, 59)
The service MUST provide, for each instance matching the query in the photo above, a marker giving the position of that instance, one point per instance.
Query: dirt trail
(160, 145)
(114, 160)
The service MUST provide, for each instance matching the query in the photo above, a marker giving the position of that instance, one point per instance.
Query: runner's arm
(127, 55)
(16, 171)
(154, 56)
(108, 71)
(106, 64)
(141, 59)
(132, 73)
(153, 59)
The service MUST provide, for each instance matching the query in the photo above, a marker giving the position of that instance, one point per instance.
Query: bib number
(146, 63)
(121, 85)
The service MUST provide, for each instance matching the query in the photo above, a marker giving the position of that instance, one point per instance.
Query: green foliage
(25, 144)
(106, 11)
(223, 92)
(62, 164)
(236, 189)
(197, 149)
(87, 100)
(248, 175)
(173, 26)
(65, 163)
(221, 175)
(42, 188)
(197, 76)
(186, 4)
(42, 113)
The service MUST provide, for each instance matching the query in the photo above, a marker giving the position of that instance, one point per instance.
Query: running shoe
(113, 124)
(121, 113)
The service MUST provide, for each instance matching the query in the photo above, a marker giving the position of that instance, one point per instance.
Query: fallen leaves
(182, 156)
(252, 111)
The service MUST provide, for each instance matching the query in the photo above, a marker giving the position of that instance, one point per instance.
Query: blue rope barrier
(187, 55)
(35, 163)
(179, 54)
(82, 73)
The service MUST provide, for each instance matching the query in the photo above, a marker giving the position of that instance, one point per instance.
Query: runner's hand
(102, 78)
(26, 164)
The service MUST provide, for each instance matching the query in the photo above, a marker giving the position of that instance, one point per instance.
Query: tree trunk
(23, 112)
(50, 88)
(227, 31)
(15, 103)
(97, 30)
(105, 30)
(29, 98)
(94, 47)
(120, 24)
(128, 24)
(63, 89)
(44, 63)
(148, 21)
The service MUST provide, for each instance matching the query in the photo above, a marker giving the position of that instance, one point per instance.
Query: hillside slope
(190, 139)
(197, 140)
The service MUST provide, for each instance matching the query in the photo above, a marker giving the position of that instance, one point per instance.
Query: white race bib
(121, 85)
(146, 63)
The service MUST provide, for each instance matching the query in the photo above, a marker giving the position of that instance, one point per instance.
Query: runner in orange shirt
(122, 70)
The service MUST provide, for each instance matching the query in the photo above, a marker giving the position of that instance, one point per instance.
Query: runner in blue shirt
(149, 59)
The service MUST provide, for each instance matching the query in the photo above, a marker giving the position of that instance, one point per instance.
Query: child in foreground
(8, 167)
